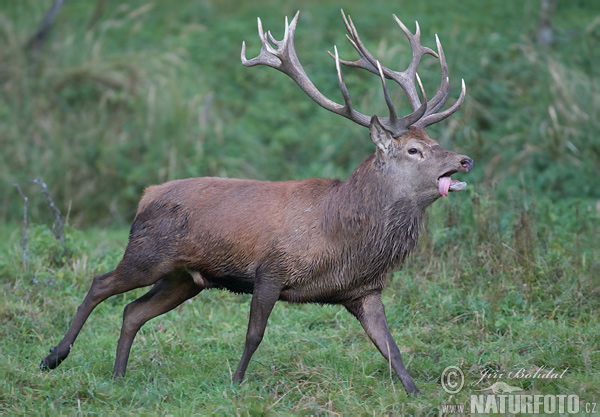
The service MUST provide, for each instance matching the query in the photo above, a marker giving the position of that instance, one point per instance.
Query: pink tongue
(444, 185)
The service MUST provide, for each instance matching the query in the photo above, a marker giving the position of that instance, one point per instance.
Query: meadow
(122, 95)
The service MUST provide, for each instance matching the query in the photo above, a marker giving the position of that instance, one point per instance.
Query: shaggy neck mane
(378, 230)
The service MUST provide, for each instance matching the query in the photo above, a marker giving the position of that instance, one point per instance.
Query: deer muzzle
(447, 184)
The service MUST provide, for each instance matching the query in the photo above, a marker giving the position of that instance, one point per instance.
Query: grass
(469, 297)
(505, 276)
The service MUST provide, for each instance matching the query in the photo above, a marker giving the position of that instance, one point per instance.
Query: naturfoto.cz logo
(503, 398)
(525, 404)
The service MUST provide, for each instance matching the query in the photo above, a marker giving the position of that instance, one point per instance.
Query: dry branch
(37, 40)
(57, 228)
(24, 235)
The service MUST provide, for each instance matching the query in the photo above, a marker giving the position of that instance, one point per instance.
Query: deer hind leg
(371, 314)
(169, 292)
(127, 276)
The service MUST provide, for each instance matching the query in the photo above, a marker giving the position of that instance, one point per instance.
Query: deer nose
(467, 163)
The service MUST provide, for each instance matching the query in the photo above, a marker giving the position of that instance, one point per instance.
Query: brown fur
(326, 241)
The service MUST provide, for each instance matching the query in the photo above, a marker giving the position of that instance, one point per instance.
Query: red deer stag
(307, 241)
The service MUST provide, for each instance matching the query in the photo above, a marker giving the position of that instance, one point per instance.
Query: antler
(406, 78)
(284, 59)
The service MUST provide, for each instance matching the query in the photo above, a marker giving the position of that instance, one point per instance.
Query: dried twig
(37, 40)
(57, 228)
(24, 235)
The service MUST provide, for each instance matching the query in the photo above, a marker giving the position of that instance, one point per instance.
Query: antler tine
(263, 37)
(421, 89)
(366, 60)
(341, 82)
(417, 114)
(416, 37)
(436, 117)
(360, 63)
(440, 98)
(273, 40)
(386, 94)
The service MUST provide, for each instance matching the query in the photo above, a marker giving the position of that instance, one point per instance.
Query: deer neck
(367, 210)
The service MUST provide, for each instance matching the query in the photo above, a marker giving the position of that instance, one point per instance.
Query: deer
(323, 241)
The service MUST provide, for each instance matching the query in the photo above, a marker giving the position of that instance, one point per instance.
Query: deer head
(417, 165)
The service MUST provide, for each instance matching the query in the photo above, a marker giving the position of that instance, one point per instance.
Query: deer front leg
(371, 314)
(266, 293)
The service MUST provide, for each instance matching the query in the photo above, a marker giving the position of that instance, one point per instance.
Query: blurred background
(119, 95)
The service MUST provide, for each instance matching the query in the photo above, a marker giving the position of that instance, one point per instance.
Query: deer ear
(380, 137)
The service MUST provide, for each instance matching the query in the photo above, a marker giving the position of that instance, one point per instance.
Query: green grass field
(124, 95)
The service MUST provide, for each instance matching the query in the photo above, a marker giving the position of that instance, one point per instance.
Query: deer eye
(413, 151)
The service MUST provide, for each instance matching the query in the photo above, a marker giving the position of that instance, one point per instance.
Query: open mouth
(447, 184)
